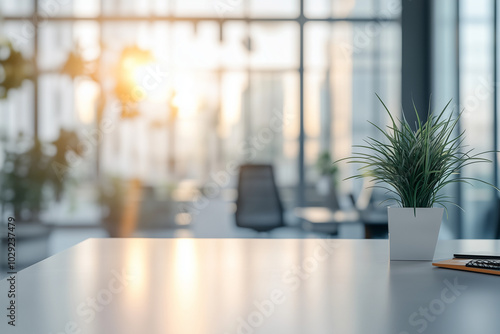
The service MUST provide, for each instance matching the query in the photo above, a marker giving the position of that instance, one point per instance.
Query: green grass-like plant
(417, 164)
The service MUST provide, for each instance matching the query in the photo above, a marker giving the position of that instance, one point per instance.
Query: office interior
(132, 118)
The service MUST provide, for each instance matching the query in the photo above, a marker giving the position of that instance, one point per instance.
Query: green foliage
(325, 166)
(14, 68)
(75, 65)
(30, 169)
(112, 192)
(417, 164)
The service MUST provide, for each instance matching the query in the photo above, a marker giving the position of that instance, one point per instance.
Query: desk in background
(322, 219)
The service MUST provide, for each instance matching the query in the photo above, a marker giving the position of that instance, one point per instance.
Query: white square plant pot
(413, 237)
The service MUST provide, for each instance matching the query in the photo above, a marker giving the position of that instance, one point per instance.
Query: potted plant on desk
(414, 166)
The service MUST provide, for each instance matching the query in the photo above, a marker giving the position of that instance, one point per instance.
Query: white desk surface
(226, 286)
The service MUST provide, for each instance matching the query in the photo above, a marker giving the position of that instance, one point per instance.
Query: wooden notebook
(459, 264)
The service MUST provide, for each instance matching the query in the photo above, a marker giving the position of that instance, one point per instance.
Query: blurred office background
(131, 117)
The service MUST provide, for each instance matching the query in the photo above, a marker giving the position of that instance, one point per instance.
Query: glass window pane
(352, 8)
(56, 105)
(274, 45)
(270, 108)
(129, 7)
(276, 8)
(17, 112)
(55, 8)
(87, 8)
(215, 8)
(77, 8)
(344, 70)
(56, 39)
(234, 52)
(16, 8)
(316, 53)
(21, 35)
(476, 98)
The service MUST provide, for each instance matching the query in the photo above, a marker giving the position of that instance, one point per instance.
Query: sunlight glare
(87, 93)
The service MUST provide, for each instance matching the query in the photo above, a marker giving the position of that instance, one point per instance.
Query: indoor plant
(112, 193)
(14, 68)
(326, 185)
(33, 170)
(31, 177)
(414, 166)
(327, 171)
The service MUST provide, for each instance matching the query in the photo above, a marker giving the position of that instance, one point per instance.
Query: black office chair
(258, 205)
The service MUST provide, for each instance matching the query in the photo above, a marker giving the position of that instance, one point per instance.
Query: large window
(229, 81)
(464, 70)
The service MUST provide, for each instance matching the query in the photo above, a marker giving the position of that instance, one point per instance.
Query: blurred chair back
(258, 205)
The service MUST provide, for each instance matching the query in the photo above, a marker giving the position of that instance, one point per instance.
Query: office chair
(258, 205)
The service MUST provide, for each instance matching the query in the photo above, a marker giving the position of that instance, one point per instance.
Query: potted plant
(327, 182)
(112, 192)
(128, 204)
(414, 166)
(29, 178)
(327, 172)
(14, 68)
